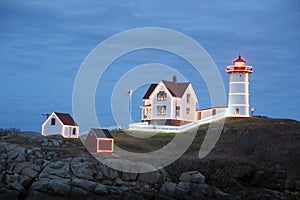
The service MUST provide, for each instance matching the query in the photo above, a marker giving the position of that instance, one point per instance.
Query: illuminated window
(188, 97)
(177, 111)
(161, 110)
(239, 64)
(187, 110)
(52, 121)
(161, 96)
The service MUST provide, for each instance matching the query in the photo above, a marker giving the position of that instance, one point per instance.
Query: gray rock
(182, 188)
(101, 189)
(58, 168)
(150, 177)
(129, 176)
(29, 172)
(59, 187)
(114, 190)
(38, 154)
(118, 181)
(57, 164)
(11, 178)
(41, 185)
(18, 167)
(25, 180)
(37, 195)
(78, 192)
(84, 167)
(84, 184)
(204, 189)
(32, 150)
(168, 188)
(219, 194)
(12, 155)
(192, 176)
(16, 186)
(54, 143)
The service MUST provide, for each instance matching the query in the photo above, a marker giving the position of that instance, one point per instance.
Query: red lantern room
(239, 65)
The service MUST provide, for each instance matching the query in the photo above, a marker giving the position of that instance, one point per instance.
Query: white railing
(144, 126)
(232, 68)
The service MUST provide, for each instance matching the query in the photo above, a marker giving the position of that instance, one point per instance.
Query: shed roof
(66, 119)
(101, 133)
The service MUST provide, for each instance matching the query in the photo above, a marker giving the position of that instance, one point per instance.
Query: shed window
(74, 131)
(52, 121)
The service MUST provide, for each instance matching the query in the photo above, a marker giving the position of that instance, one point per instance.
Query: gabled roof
(66, 119)
(101, 133)
(176, 89)
(149, 91)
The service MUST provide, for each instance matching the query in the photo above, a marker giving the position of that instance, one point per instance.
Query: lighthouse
(238, 98)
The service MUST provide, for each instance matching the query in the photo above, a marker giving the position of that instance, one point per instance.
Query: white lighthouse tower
(238, 99)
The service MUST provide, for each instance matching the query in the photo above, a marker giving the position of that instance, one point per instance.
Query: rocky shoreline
(37, 167)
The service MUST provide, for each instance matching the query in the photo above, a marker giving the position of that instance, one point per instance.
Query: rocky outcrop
(37, 173)
(37, 167)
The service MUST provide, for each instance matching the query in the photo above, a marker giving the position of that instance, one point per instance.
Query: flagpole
(130, 106)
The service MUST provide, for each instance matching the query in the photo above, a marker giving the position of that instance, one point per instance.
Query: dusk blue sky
(43, 43)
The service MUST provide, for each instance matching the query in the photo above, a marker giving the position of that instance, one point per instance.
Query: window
(74, 131)
(214, 111)
(52, 121)
(177, 111)
(188, 97)
(161, 96)
(237, 111)
(199, 116)
(187, 110)
(161, 110)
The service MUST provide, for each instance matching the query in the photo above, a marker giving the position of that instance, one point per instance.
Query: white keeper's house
(60, 124)
(171, 103)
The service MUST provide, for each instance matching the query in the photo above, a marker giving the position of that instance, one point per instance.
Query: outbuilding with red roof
(60, 124)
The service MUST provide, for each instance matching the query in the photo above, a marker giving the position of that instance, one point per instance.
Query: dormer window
(161, 96)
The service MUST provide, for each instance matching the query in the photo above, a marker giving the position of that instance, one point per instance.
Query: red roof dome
(239, 60)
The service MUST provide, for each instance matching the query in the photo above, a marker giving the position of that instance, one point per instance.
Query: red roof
(66, 119)
(239, 60)
(149, 91)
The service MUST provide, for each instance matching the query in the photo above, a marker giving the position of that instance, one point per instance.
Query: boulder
(84, 184)
(182, 188)
(193, 177)
(168, 188)
(101, 189)
(60, 187)
(149, 177)
(204, 189)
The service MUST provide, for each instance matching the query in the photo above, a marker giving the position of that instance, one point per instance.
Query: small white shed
(60, 124)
